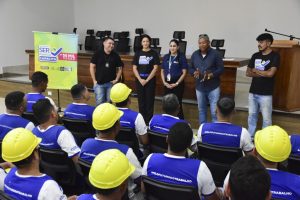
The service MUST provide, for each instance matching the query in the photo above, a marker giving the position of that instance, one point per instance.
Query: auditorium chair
(157, 190)
(107, 33)
(217, 43)
(29, 116)
(80, 129)
(122, 44)
(293, 165)
(157, 142)
(57, 164)
(116, 37)
(179, 35)
(137, 39)
(98, 41)
(154, 45)
(218, 159)
(84, 167)
(4, 196)
(89, 43)
(128, 137)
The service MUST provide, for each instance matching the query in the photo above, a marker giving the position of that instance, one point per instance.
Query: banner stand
(58, 102)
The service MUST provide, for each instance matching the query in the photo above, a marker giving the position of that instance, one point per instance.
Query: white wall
(238, 22)
(18, 18)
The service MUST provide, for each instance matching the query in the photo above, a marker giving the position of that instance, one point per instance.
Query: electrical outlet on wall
(49, 93)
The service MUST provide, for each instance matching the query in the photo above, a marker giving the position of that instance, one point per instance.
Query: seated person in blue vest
(172, 167)
(120, 95)
(223, 132)
(5, 166)
(79, 109)
(295, 140)
(53, 136)
(248, 180)
(272, 146)
(162, 123)
(25, 181)
(15, 103)
(39, 83)
(109, 175)
(106, 121)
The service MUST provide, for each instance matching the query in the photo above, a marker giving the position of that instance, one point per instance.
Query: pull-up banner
(56, 55)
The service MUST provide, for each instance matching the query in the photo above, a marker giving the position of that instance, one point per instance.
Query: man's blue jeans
(262, 103)
(213, 97)
(102, 92)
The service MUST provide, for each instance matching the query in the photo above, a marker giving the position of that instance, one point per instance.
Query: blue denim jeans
(202, 97)
(262, 103)
(102, 92)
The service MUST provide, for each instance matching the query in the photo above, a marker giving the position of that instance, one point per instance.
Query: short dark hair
(123, 103)
(77, 90)
(226, 105)
(180, 137)
(109, 130)
(14, 100)
(38, 77)
(146, 36)
(42, 110)
(243, 179)
(170, 103)
(108, 38)
(265, 36)
(25, 162)
(105, 192)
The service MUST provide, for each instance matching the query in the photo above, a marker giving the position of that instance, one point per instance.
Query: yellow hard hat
(105, 116)
(273, 144)
(18, 144)
(110, 169)
(119, 92)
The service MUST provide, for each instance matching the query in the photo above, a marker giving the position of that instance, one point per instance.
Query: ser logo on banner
(46, 55)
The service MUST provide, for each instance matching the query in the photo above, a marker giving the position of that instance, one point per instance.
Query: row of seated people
(109, 174)
(160, 123)
(99, 119)
(120, 95)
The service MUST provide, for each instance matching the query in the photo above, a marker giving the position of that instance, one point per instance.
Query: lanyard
(171, 61)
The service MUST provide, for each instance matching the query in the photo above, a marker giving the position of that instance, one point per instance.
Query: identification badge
(107, 64)
(169, 77)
